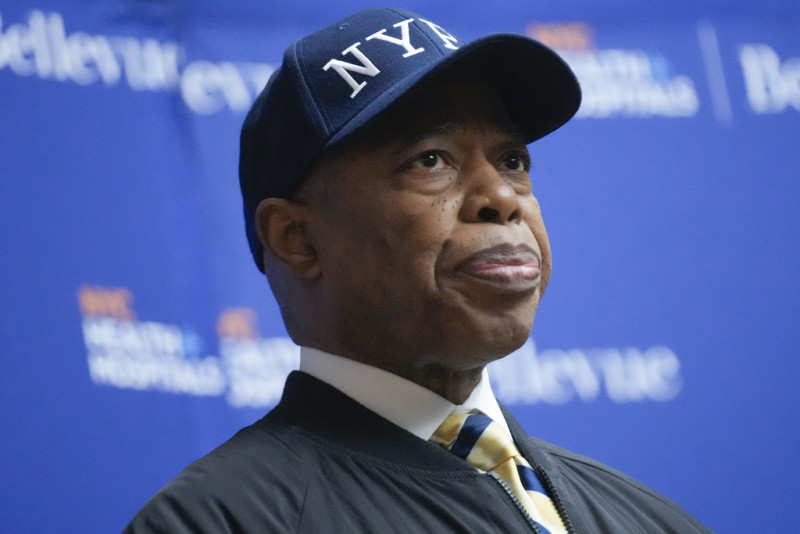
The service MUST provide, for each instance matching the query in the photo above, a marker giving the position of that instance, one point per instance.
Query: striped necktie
(485, 444)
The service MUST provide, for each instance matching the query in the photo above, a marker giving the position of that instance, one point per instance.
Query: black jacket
(320, 462)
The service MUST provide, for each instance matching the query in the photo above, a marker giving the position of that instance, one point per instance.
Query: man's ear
(282, 229)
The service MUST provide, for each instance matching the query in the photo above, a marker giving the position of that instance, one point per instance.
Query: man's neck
(454, 386)
(409, 405)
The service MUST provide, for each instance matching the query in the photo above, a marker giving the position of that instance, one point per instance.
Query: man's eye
(516, 162)
(431, 160)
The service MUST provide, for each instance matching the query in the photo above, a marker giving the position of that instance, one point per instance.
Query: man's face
(432, 245)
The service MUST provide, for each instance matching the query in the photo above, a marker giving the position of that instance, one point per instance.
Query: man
(384, 172)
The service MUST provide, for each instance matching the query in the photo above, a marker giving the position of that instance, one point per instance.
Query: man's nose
(489, 197)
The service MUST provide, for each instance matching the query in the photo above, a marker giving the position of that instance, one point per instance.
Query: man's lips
(514, 268)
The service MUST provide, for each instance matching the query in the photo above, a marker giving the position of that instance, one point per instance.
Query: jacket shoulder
(598, 498)
(255, 481)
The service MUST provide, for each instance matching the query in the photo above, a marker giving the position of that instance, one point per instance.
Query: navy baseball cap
(334, 82)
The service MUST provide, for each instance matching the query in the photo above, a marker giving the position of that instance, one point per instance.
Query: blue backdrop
(138, 334)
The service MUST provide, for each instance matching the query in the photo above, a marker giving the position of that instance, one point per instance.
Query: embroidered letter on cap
(404, 40)
(446, 38)
(344, 68)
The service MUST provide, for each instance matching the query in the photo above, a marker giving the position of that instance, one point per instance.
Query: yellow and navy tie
(485, 444)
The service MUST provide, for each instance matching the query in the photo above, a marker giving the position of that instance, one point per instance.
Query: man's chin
(481, 351)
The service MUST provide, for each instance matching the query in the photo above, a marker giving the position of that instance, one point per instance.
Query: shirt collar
(404, 403)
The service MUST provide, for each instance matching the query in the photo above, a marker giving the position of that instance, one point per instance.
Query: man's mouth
(508, 267)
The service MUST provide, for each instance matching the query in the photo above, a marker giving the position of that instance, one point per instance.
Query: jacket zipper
(514, 498)
(551, 490)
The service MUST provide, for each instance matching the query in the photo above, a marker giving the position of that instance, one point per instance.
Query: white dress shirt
(404, 403)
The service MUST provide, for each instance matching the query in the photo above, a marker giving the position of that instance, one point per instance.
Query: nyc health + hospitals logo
(635, 83)
(123, 351)
(619, 82)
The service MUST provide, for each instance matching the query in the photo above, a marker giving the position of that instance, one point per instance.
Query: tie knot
(477, 439)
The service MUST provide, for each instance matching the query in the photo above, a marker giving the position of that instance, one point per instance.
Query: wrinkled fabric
(320, 462)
